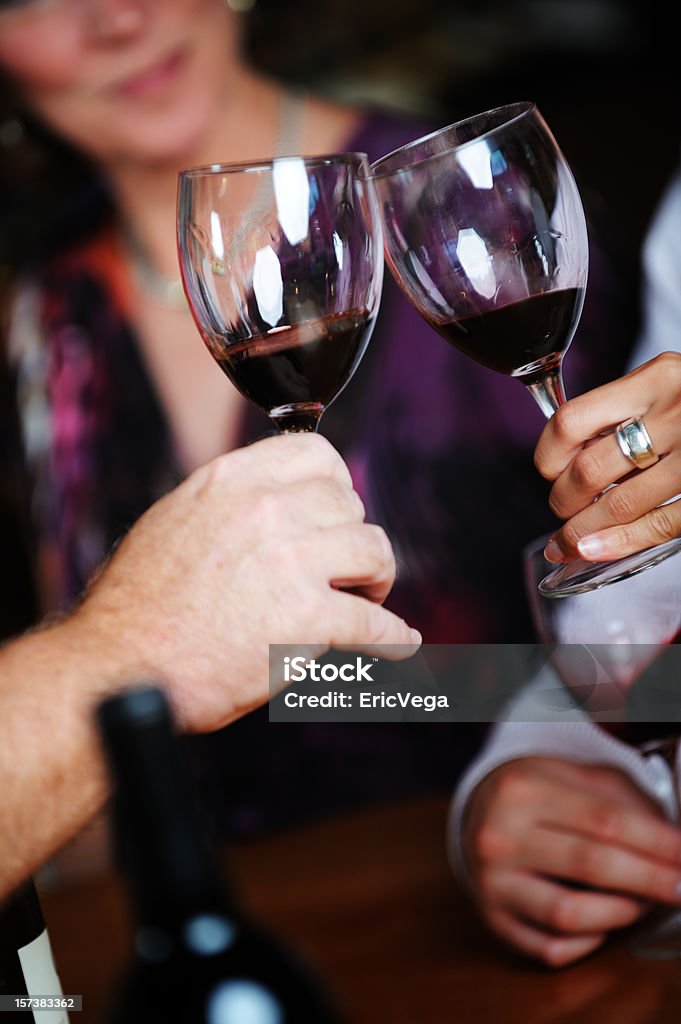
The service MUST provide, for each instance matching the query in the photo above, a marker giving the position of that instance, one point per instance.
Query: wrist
(115, 650)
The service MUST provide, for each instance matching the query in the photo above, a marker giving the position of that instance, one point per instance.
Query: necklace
(168, 291)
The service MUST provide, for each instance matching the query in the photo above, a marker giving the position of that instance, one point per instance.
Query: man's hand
(561, 854)
(265, 545)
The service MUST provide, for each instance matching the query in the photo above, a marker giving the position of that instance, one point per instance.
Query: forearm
(52, 770)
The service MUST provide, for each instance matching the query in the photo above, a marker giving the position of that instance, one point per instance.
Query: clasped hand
(560, 854)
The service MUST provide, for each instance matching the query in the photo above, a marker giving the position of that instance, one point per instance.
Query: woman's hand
(561, 854)
(631, 516)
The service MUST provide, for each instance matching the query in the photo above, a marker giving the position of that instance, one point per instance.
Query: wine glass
(614, 650)
(485, 234)
(282, 264)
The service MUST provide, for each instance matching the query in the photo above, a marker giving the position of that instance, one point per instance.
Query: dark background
(603, 73)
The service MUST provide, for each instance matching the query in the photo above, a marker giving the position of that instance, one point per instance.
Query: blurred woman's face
(123, 80)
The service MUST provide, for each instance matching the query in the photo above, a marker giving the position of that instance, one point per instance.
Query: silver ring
(635, 444)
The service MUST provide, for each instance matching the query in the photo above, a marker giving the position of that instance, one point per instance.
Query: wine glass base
(659, 938)
(580, 577)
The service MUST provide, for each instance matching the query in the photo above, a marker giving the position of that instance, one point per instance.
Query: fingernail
(592, 547)
(553, 552)
(416, 637)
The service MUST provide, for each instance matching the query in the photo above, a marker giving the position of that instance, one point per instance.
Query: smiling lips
(153, 79)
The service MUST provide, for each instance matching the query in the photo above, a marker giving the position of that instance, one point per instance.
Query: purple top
(440, 448)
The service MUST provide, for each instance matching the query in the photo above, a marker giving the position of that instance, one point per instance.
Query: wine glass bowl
(486, 235)
(605, 639)
(282, 264)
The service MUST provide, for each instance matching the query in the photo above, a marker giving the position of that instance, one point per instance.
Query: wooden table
(371, 901)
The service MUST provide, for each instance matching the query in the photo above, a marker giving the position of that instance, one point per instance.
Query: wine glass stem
(548, 390)
(296, 422)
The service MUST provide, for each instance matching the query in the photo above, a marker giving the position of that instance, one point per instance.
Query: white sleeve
(545, 722)
(661, 330)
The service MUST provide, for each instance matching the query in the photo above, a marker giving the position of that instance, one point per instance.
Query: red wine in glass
(282, 264)
(486, 235)
(529, 332)
(297, 370)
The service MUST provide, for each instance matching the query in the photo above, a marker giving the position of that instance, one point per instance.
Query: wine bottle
(26, 964)
(198, 959)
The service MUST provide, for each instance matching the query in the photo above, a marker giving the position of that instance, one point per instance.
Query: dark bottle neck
(21, 918)
(164, 853)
